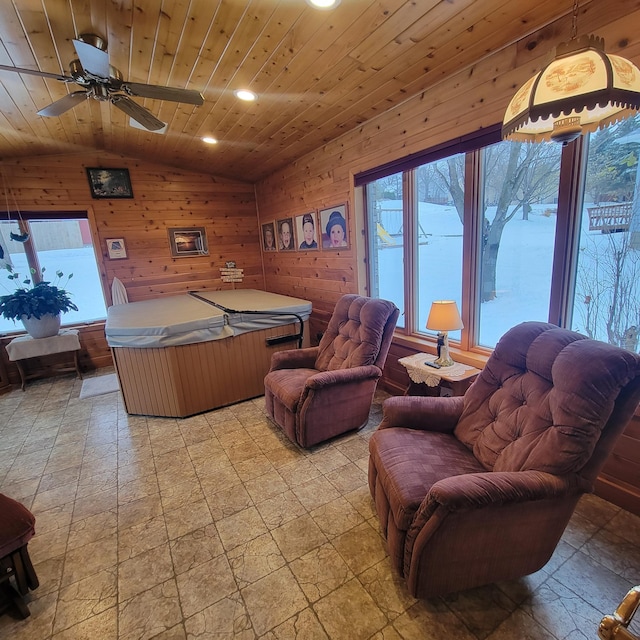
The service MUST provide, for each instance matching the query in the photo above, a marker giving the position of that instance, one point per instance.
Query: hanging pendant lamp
(581, 90)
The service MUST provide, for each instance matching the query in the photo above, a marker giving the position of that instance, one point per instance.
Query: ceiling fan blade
(158, 92)
(58, 107)
(93, 60)
(139, 114)
(33, 72)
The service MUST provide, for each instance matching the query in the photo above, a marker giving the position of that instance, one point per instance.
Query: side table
(427, 381)
(25, 347)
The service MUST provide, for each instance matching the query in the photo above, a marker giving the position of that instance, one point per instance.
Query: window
(439, 198)
(55, 244)
(520, 193)
(501, 228)
(606, 300)
(386, 241)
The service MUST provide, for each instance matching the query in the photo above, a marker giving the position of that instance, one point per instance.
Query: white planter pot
(43, 327)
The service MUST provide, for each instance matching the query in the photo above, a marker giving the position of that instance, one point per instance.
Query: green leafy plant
(36, 300)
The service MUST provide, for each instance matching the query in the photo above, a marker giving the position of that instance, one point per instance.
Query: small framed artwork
(188, 241)
(116, 248)
(333, 223)
(285, 235)
(269, 237)
(109, 183)
(306, 232)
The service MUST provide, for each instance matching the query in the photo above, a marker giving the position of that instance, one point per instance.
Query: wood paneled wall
(471, 99)
(163, 198)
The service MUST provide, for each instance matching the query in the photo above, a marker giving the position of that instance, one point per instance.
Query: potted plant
(37, 305)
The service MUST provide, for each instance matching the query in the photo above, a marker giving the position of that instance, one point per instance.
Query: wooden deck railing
(610, 218)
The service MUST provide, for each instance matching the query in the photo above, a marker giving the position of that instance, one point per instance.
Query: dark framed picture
(286, 241)
(333, 224)
(269, 237)
(307, 232)
(109, 183)
(188, 241)
(116, 248)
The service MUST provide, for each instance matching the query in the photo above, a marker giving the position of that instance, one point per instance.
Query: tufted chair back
(543, 400)
(356, 334)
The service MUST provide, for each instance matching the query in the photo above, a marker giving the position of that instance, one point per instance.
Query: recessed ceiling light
(243, 94)
(209, 140)
(323, 4)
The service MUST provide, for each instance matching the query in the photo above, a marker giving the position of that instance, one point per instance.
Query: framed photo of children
(269, 237)
(285, 235)
(306, 232)
(333, 223)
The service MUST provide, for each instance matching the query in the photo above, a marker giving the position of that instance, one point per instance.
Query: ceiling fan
(103, 82)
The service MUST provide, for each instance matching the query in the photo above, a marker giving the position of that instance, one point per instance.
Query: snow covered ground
(525, 262)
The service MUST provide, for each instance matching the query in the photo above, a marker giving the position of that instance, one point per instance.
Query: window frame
(22, 218)
(566, 242)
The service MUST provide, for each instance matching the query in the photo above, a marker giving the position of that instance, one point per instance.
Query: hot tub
(185, 354)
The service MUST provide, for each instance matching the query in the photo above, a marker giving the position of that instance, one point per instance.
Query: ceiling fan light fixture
(581, 90)
(92, 71)
(244, 94)
(209, 140)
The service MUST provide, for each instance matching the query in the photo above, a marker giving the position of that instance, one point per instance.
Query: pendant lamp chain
(574, 20)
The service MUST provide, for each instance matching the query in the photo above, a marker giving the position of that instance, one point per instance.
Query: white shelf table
(25, 347)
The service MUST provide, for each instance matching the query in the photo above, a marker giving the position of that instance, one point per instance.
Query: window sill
(72, 325)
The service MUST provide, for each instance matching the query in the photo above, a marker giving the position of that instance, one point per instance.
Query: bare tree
(516, 175)
(609, 287)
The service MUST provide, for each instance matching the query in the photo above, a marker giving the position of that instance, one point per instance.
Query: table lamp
(443, 317)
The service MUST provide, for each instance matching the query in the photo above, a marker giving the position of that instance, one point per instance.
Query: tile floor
(217, 527)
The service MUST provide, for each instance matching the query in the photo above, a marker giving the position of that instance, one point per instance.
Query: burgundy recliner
(320, 392)
(476, 489)
(17, 527)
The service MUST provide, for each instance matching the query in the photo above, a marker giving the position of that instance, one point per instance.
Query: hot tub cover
(278, 309)
(185, 319)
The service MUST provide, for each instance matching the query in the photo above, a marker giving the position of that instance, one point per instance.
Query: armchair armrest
(457, 506)
(343, 376)
(294, 359)
(477, 490)
(427, 413)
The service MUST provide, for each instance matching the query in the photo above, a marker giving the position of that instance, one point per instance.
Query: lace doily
(421, 373)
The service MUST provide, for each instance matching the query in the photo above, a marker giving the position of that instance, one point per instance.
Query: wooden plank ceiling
(317, 73)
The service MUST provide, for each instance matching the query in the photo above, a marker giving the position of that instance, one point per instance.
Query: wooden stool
(17, 527)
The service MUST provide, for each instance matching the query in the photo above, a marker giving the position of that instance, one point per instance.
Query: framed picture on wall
(286, 241)
(116, 249)
(188, 241)
(109, 183)
(269, 237)
(333, 223)
(306, 232)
